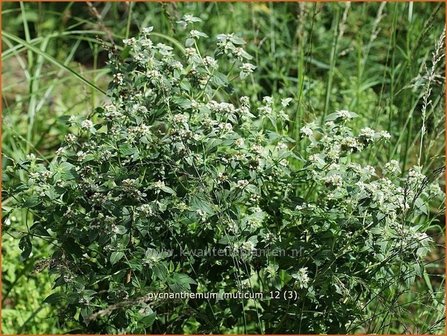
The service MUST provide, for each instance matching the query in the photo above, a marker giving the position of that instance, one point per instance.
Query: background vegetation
(382, 61)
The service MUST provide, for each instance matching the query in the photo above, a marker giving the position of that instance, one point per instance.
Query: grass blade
(52, 60)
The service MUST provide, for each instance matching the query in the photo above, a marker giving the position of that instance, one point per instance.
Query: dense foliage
(180, 160)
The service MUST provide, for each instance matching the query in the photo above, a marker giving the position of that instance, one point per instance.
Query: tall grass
(382, 61)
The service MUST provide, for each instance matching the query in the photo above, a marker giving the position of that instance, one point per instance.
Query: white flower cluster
(392, 168)
(210, 62)
(232, 45)
(246, 69)
(87, 124)
(336, 140)
(359, 190)
(222, 107)
(242, 184)
(267, 108)
(302, 277)
(187, 20)
(308, 131)
(345, 114)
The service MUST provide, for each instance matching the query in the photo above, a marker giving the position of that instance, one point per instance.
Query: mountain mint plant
(177, 160)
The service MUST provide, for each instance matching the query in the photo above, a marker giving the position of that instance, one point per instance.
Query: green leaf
(72, 247)
(168, 190)
(219, 79)
(197, 203)
(39, 229)
(54, 298)
(127, 150)
(65, 171)
(120, 229)
(31, 201)
(421, 206)
(52, 194)
(189, 42)
(115, 257)
(237, 40)
(147, 320)
(26, 246)
(181, 282)
(160, 271)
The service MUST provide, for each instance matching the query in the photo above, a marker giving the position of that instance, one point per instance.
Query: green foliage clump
(26, 288)
(178, 161)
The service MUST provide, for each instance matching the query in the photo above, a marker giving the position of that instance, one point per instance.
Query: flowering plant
(177, 161)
